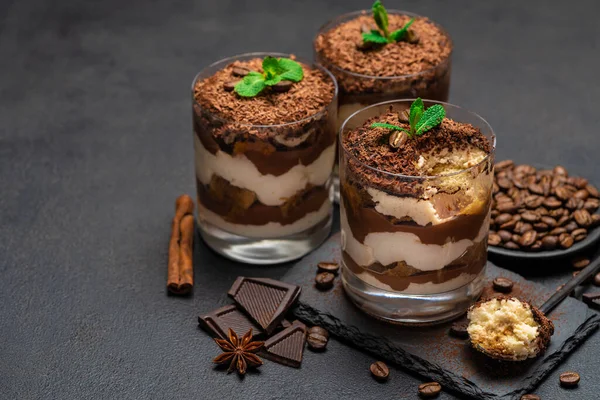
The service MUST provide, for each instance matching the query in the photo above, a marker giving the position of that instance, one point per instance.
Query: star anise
(239, 352)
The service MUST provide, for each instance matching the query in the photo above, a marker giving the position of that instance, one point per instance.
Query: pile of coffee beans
(540, 210)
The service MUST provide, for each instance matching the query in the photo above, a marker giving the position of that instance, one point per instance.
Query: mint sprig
(420, 119)
(275, 70)
(383, 35)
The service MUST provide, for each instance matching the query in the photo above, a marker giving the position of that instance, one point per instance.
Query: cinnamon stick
(180, 276)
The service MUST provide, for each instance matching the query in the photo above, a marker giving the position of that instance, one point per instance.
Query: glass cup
(414, 248)
(357, 91)
(264, 201)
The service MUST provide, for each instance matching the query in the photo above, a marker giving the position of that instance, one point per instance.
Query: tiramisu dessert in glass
(415, 184)
(264, 141)
(378, 55)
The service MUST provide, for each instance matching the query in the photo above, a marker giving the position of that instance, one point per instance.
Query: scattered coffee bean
(557, 231)
(583, 218)
(504, 235)
(571, 226)
(591, 189)
(574, 204)
(503, 165)
(578, 182)
(459, 329)
(528, 239)
(597, 279)
(549, 242)
(511, 245)
(429, 389)
(560, 170)
(579, 234)
(229, 86)
(412, 37)
(580, 262)
(240, 71)
(318, 330)
(563, 220)
(324, 280)
(533, 201)
(503, 218)
(530, 397)
(563, 193)
(530, 216)
(522, 227)
(591, 205)
(494, 239)
(282, 86)
(540, 227)
(380, 371)
(581, 194)
(503, 285)
(536, 246)
(552, 202)
(328, 266)
(316, 341)
(565, 240)
(569, 379)
(398, 139)
(549, 221)
(595, 220)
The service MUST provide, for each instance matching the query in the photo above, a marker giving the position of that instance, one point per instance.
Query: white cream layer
(270, 190)
(270, 230)
(420, 211)
(390, 247)
(421, 288)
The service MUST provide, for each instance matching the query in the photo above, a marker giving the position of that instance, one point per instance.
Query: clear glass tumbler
(264, 201)
(357, 91)
(414, 252)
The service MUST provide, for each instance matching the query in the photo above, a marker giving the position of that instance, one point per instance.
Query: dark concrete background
(95, 144)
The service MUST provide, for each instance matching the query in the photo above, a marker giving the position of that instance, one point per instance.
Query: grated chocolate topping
(306, 98)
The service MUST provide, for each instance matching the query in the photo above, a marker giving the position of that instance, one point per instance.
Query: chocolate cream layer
(240, 206)
(270, 156)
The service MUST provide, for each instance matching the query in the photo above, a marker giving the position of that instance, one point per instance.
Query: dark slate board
(430, 351)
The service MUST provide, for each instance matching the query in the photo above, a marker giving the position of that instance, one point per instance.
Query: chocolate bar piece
(219, 321)
(287, 346)
(264, 300)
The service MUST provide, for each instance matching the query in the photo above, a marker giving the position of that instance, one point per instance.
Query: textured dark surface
(430, 351)
(96, 144)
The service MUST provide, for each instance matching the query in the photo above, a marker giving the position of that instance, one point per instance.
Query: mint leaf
(381, 17)
(388, 126)
(400, 34)
(271, 67)
(432, 117)
(273, 81)
(416, 112)
(251, 85)
(374, 37)
(290, 70)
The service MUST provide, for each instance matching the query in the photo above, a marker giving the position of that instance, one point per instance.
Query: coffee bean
(240, 71)
(324, 280)
(557, 213)
(562, 220)
(522, 227)
(505, 164)
(521, 183)
(511, 245)
(551, 202)
(533, 201)
(515, 238)
(282, 86)
(597, 279)
(380, 371)
(509, 225)
(505, 183)
(503, 218)
(530, 397)
(550, 242)
(412, 37)
(595, 220)
(581, 194)
(578, 182)
(583, 218)
(459, 329)
(504, 235)
(571, 226)
(591, 189)
(574, 204)
(579, 234)
(541, 211)
(563, 193)
(540, 227)
(536, 188)
(536, 246)
(229, 86)
(580, 262)
(495, 188)
(560, 170)
(530, 216)
(524, 169)
(551, 222)
(316, 341)
(503, 285)
(591, 205)
(327, 266)
(557, 231)
(430, 389)
(528, 239)
(494, 239)
(569, 379)
(565, 240)
(398, 139)
(318, 330)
